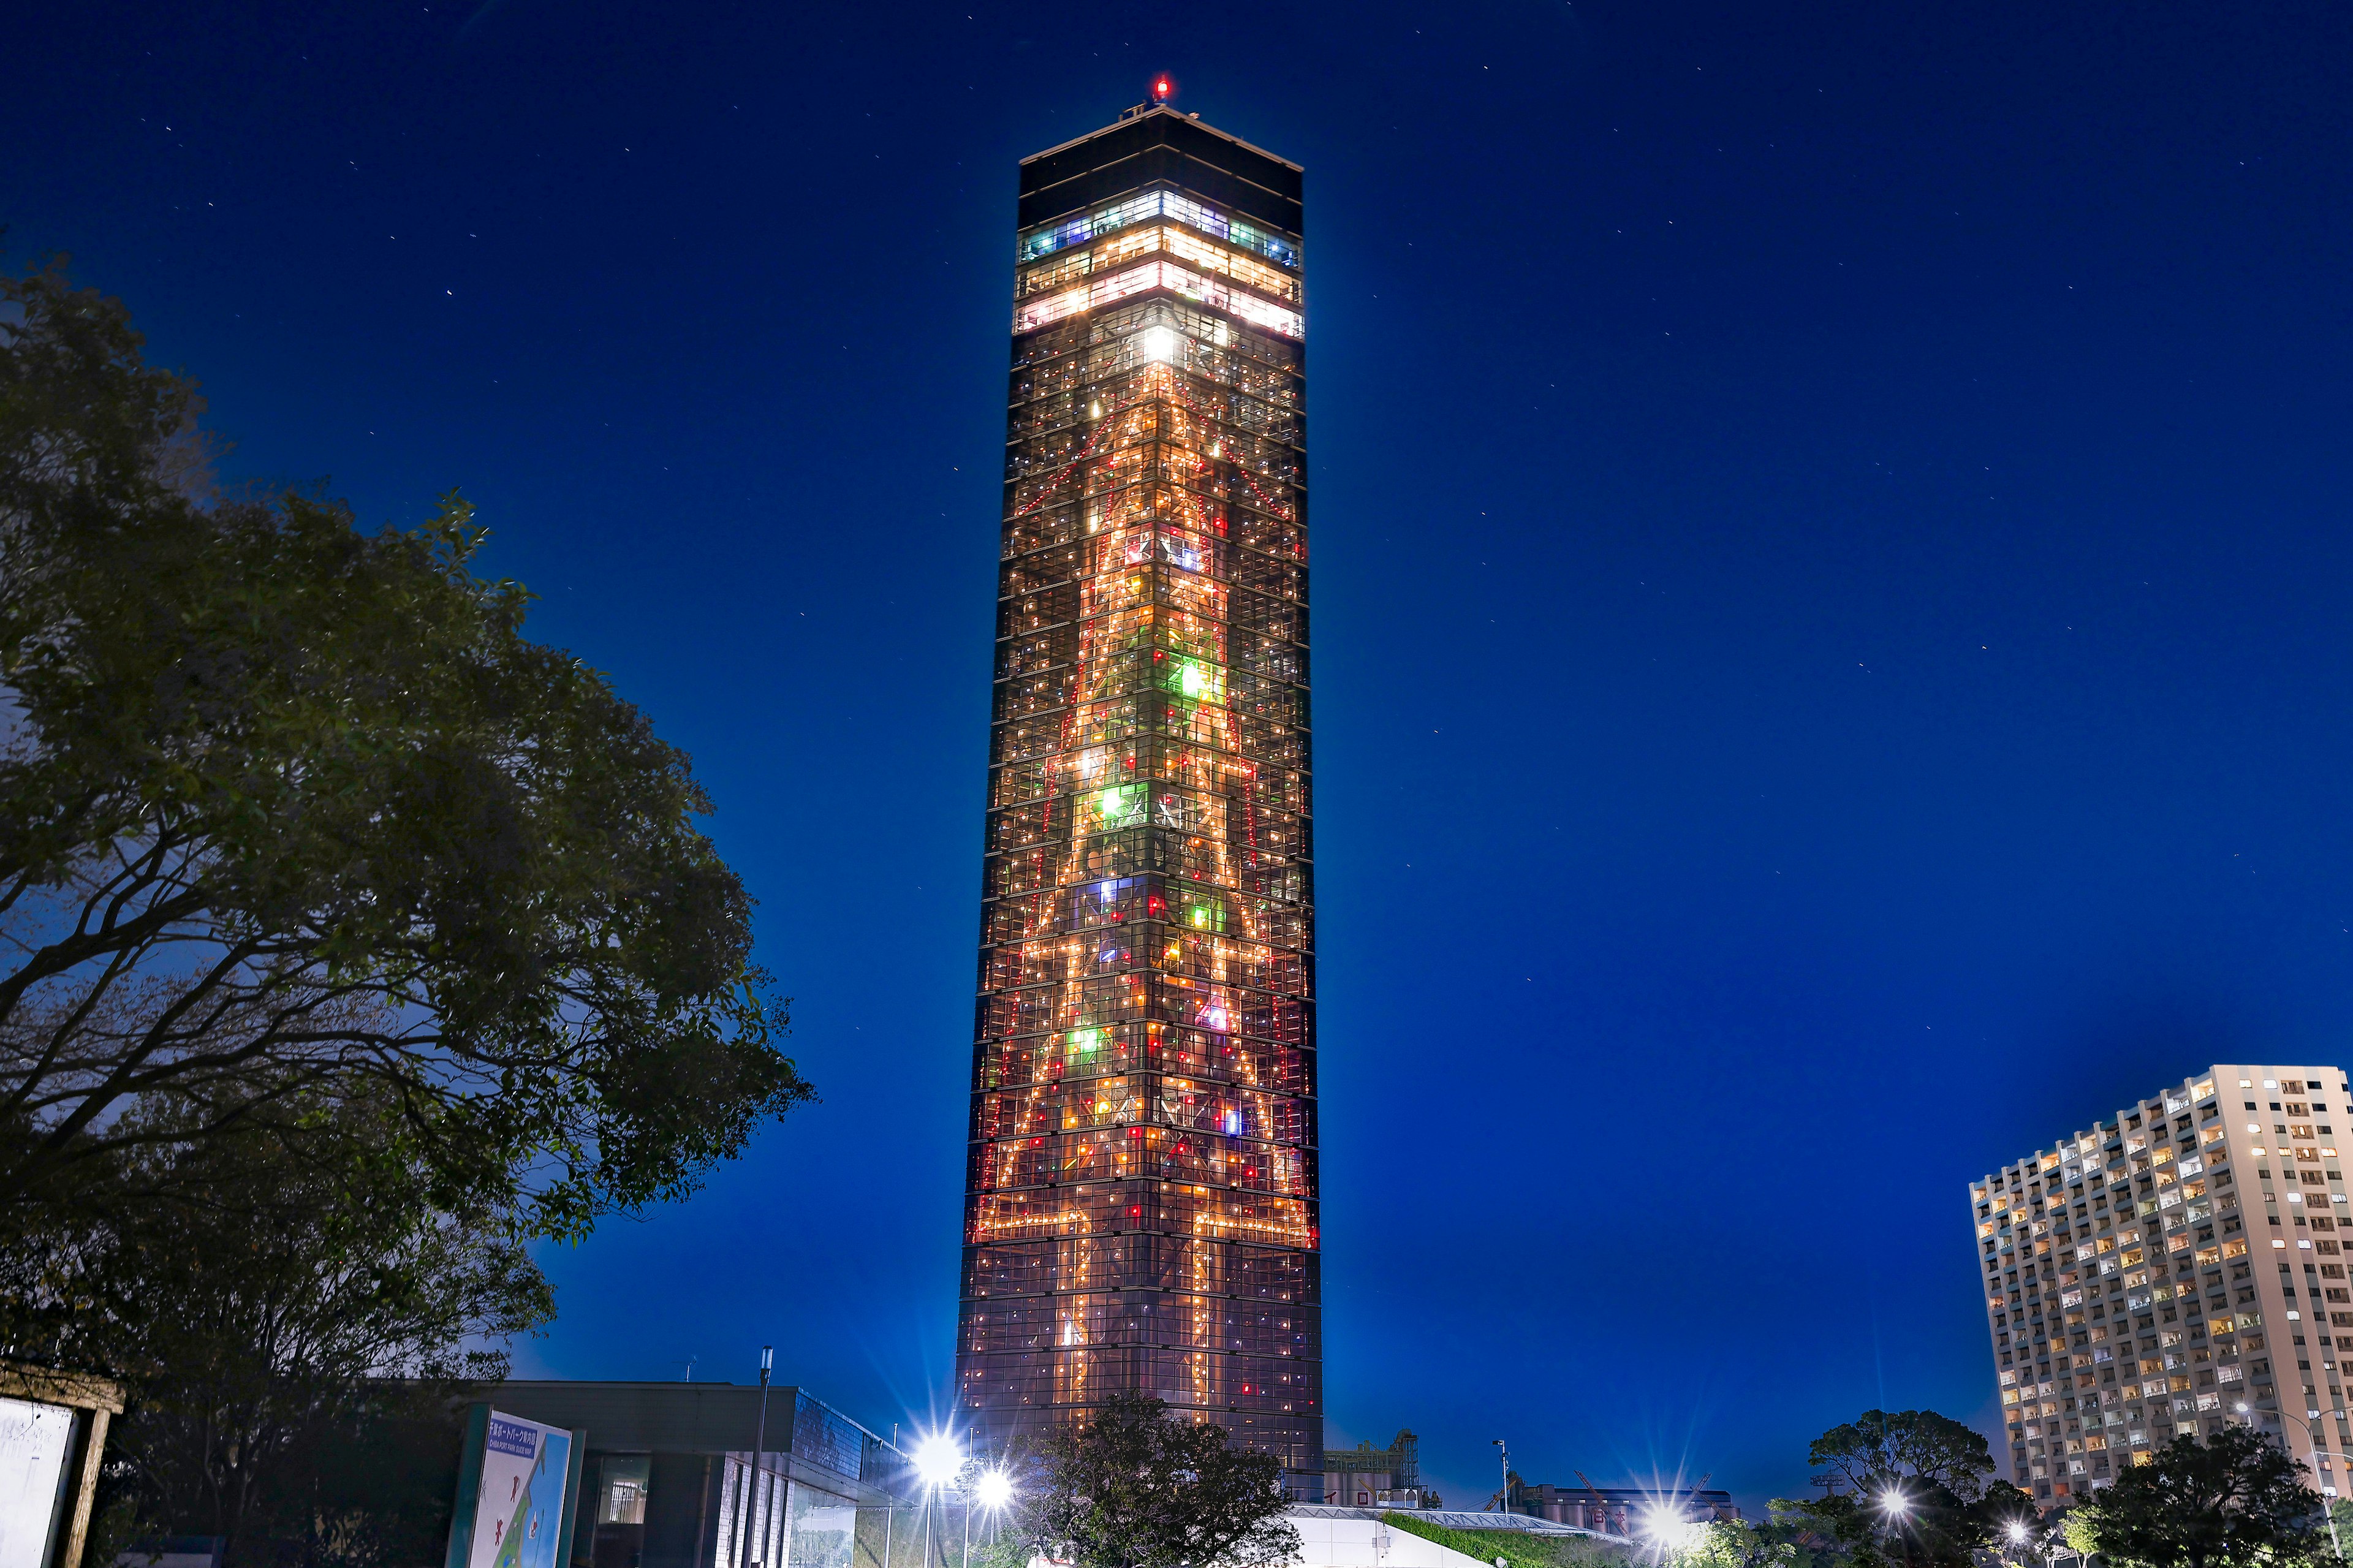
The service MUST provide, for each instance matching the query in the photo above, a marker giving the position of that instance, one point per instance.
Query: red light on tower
(1164, 88)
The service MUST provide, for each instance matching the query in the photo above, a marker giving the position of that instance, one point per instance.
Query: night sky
(1830, 582)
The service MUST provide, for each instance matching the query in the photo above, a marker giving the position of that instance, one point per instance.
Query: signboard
(35, 1445)
(514, 1494)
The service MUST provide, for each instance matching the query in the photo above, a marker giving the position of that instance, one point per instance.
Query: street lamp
(1898, 1507)
(2021, 1535)
(1667, 1530)
(2330, 1508)
(759, 1444)
(1503, 1457)
(938, 1461)
(993, 1489)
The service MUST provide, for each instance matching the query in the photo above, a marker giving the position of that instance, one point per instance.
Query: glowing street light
(1666, 1529)
(1895, 1504)
(937, 1461)
(2017, 1533)
(994, 1489)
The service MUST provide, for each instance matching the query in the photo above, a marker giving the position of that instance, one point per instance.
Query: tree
(1878, 1450)
(1916, 1491)
(1134, 1486)
(1738, 1543)
(261, 1314)
(2232, 1502)
(293, 815)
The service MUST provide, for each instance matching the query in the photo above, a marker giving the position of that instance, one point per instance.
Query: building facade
(1140, 1208)
(2178, 1266)
(1630, 1511)
(672, 1477)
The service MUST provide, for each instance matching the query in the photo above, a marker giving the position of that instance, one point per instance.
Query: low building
(1366, 1477)
(1621, 1511)
(670, 1477)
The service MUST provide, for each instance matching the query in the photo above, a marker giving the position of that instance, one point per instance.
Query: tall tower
(1141, 1195)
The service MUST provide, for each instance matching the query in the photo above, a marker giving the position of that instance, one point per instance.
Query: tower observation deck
(1141, 1190)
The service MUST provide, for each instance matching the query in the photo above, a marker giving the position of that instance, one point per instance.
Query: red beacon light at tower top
(1164, 88)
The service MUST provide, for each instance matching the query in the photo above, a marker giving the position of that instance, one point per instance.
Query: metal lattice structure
(1141, 1209)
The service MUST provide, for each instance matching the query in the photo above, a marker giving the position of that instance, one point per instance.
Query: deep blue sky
(1831, 590)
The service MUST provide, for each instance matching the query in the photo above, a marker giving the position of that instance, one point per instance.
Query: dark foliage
(287, 807)
(348, 941)
(260, 1315)
(1520, 1549)
(2232, 1502)
(1908, 1487)
(1137, 1487)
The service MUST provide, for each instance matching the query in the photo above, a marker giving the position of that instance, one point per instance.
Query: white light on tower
(1160, 343)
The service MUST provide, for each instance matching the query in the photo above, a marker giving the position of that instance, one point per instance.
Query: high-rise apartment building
(1141, 1208)
(2179, 1266)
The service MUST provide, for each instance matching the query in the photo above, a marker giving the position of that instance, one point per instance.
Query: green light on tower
(1122, 805)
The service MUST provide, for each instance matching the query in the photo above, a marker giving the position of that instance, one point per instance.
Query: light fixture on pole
(1669, 1528)
(1896, 1506)
(1503, 1457)
(759, 1443)
(938, 1461)
(994, 1489)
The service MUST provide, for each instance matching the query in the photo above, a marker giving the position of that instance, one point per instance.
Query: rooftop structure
(1366, 1477)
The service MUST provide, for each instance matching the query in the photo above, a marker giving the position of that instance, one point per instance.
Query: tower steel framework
(1141, 1209)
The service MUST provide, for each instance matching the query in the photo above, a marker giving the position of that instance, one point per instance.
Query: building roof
(1159, 145)
(1635, 1497)
(1133, 115)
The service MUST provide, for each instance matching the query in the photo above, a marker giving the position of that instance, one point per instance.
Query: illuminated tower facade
(1140, 1208)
